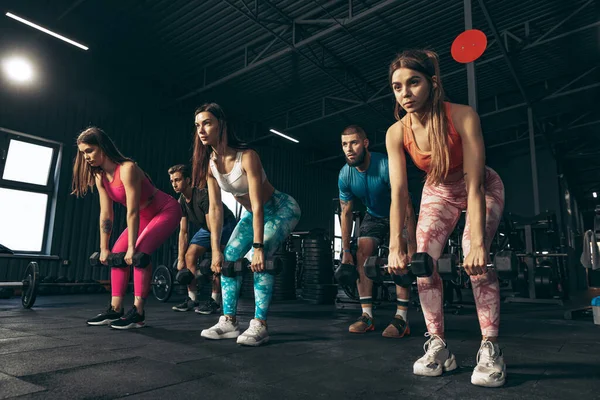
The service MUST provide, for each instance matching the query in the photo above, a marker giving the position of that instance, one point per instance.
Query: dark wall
(515, 170)
(156, 140)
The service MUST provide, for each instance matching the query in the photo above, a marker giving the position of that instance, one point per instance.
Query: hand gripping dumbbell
(117, 260)
(505, 263)
(139, 260)
(421, 265)
(346, 274)
(230, 269)
(185, 276)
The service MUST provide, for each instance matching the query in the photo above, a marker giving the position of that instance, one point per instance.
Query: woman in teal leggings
(222, 162)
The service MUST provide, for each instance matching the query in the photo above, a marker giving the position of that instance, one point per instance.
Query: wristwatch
(258, 245)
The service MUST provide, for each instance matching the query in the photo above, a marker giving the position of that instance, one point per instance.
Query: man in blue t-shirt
(366, 177)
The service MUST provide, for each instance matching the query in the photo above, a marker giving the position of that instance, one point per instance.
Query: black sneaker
(210, 307)
(130, 320)
(187, 305)
(106, 317)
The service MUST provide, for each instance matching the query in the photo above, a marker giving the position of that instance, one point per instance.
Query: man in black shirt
(195, 206)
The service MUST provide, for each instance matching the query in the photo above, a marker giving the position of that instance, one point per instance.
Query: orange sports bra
(422, 159)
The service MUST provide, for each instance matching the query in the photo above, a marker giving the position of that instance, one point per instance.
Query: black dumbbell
(204, 270)
(95, 259)
(232, 269)
(421, 265)
(273, 266)
(184, 276)
(505, 263)
(139, 260)
(346, 274)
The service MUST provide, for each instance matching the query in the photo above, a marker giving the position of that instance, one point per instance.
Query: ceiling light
(285, 136)
(18, 69)
(49, 32)
(595, 194)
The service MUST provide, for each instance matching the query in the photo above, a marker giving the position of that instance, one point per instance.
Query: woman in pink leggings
(152, 216)
(445, 141)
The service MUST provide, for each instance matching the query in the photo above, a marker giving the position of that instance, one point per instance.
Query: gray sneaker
(187, 305)
(224, 329)
(255, 335)
(490, 370)
(437, 359)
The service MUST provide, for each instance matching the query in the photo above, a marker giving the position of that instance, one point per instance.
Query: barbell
(162, 284)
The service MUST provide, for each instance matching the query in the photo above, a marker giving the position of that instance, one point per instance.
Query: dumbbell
(95, 259)
(230, 269)
(204, 268)
(505, 263)
(346, 274)
(117, 260)
(421, 265)
(185, 276)
(139, 260)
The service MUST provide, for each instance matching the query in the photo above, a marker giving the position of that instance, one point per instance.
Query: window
(28, 184)
(231, 203)
(27, 162)
(337, 231)
(23, 216)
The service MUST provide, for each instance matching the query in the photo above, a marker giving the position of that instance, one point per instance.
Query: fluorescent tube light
(284, 136)
(49, 32)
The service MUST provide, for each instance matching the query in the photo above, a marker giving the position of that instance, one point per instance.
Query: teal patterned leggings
(281, 215)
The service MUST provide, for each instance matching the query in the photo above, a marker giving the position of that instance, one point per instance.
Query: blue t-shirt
(372, 187)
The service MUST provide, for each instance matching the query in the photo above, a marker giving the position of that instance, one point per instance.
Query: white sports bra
(236, 181)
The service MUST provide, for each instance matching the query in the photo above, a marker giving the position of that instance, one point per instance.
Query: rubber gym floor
(49, 352)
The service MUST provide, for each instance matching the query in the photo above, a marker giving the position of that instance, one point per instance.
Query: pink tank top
(116, 189)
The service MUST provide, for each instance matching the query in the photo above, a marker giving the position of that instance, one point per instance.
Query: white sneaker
(255, 335)
(490, 370)
(224, 329)
(437, 358)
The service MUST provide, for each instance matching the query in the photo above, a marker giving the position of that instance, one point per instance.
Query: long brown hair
(84, 174)
(427, 63)
(202, 153)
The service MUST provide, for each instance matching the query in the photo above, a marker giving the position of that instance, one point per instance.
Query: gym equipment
(185, 276)
(117, 260)
(162, 280)
(139, 260)
(346, 274)
(230, 269)
(421, 265)
(505, 263)
(162, 283)
(203, 269)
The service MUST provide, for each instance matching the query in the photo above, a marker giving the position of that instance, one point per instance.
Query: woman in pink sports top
(152, 216)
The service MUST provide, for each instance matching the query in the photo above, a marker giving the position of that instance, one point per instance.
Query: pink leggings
(440, 210)
(157, 222)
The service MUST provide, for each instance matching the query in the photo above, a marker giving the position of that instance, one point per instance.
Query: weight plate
(315, 246)
(30, 285)
(305, 241)
(162, 283)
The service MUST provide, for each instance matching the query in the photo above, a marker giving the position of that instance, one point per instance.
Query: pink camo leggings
(440, 210)
(157, 222)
